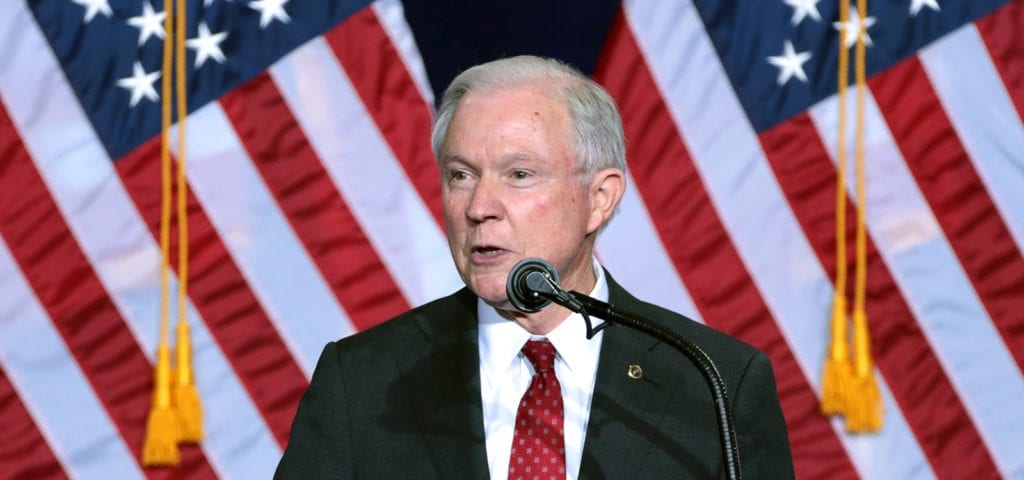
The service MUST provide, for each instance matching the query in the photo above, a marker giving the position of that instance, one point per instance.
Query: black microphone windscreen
(521, 289)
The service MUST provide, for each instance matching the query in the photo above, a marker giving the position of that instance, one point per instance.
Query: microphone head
(518, 287)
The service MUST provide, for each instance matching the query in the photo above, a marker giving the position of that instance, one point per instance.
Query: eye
(458, 175)
(520, 174)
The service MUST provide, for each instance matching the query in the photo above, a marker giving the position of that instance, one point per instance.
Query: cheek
(453, 207)
(550, 222)
(451, 231)
(454, 231)
(539, 212)
(573, 211)
(448, 204)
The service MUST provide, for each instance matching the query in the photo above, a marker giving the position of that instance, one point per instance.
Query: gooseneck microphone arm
(534, 283)
(726, 431)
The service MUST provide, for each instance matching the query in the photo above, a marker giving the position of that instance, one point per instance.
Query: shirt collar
(501, 339)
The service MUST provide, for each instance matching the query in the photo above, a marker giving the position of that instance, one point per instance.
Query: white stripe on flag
(937, 290)
(754, 211)
(273, 261)
(53, 387)
(365, 172)
(985, 119)
(117, 243)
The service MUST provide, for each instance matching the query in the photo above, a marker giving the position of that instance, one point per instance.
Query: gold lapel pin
(635, 372)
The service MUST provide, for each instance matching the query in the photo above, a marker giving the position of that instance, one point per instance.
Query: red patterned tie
(538, 448)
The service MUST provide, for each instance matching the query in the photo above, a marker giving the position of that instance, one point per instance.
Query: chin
(490, 288)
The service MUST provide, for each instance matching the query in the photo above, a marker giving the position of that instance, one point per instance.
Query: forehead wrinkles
(529, 101)
(491, 123)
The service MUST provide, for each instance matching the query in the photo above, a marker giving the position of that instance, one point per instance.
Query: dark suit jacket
(402, 400)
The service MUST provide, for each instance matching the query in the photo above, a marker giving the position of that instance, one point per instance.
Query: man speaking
(532, 162)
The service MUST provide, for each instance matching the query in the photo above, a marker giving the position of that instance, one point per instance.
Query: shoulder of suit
(715, 342)
(409, 325)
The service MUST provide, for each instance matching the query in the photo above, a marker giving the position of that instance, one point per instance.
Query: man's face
(511, 189)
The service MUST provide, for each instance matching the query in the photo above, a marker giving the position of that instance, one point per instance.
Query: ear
(606, 190)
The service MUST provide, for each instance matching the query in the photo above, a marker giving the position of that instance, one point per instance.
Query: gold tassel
(186, 396)
(160, 447)
(177, 418)
(837, 380)
(865, 410)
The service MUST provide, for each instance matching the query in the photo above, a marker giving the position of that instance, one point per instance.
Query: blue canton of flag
(746, 34)
(103, 43)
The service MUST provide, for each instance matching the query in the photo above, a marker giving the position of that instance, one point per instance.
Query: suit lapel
(444, 386)
(625, 412)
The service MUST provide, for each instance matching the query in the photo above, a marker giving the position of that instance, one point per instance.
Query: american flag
(314, 207)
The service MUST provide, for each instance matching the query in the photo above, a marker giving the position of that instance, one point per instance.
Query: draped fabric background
(314, 207)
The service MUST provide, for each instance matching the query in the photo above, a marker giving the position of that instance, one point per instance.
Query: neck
(539, 323)
(549, 318)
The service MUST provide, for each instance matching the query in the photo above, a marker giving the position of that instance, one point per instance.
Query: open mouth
(486, 250)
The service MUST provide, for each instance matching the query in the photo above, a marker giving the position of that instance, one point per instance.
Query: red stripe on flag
(918, 383)
(379, 75)
(1003, 34)
(222, 297)
(77, 302)
(956, 194)
(312, 204)
(24, 452)
(703, 253)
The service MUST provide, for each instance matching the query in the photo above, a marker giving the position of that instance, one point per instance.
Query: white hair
(598, 141)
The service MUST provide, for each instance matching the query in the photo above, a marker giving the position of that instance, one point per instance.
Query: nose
(485, 203)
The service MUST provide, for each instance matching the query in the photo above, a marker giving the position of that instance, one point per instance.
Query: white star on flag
(917, 5)
(92, 7)
(141, 84)
(790, 63)
(207, 45)
(150, 23)
(270, 10)
(854, 25)
(804, 8)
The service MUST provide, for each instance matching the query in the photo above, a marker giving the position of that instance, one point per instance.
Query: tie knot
(541, 354)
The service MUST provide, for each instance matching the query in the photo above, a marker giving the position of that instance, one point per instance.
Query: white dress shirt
(505, 374)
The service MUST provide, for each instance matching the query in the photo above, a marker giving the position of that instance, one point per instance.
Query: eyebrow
(509, 158)
(518, 157)
(447, 158)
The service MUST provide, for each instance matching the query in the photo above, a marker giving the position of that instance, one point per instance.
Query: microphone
(526, 279)
(533, 284)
